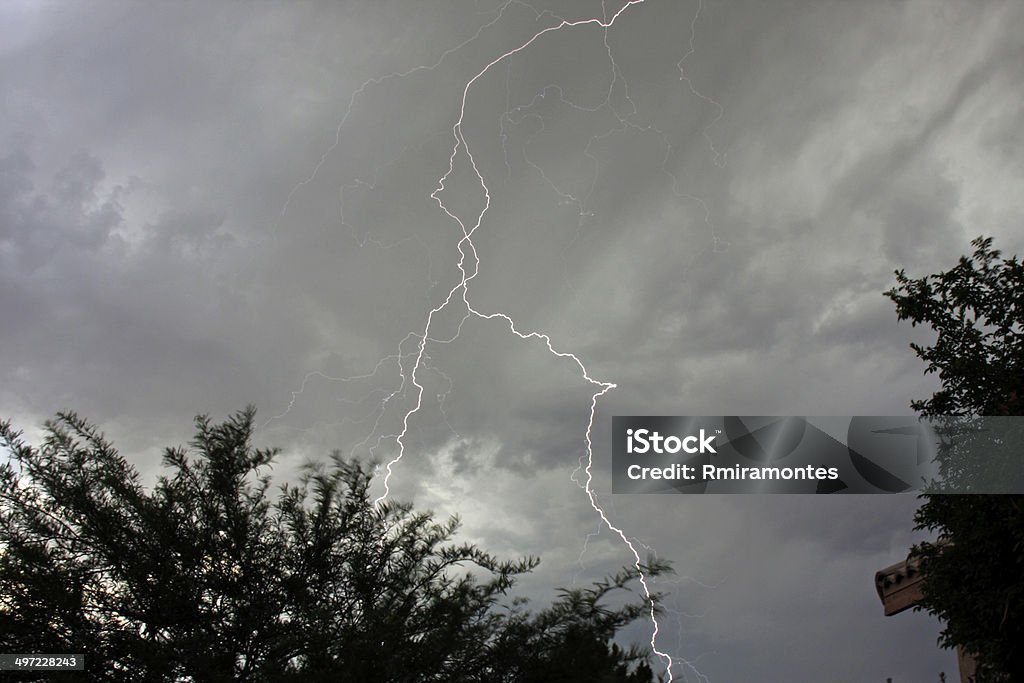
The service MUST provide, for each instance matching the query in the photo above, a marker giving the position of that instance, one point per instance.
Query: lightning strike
(469, 262)
(466, 250)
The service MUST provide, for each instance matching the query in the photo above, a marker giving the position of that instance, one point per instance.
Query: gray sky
(207, 204)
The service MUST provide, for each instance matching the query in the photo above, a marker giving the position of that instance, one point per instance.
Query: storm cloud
(209, 204)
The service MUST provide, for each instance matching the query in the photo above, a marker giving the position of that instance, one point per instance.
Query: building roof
(899, 585)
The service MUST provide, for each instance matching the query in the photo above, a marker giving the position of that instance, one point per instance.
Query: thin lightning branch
(442, 397)
(322, 375)
(625, 124)
(719, 158)
(583, 551)
(377, 80)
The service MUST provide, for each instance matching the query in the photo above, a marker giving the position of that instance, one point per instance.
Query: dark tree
(974, 573)
(209, 577)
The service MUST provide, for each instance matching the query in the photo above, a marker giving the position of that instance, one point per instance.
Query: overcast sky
(209, 204)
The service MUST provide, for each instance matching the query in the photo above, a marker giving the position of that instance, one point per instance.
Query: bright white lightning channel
(601, 388)
(467, 250)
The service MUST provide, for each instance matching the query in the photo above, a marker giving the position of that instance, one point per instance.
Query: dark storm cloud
(185, 227)
(89, 313)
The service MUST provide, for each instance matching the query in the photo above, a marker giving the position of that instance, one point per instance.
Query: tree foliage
(208, 576)
(977, 309)
(974, 573)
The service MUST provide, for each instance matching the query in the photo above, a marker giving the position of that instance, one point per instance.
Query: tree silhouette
(210, 577)
(974, 575)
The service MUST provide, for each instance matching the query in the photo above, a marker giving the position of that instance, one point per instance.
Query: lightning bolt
(469, 262)
(467, 251)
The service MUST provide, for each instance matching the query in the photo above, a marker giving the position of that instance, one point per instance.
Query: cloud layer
(204, 205)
